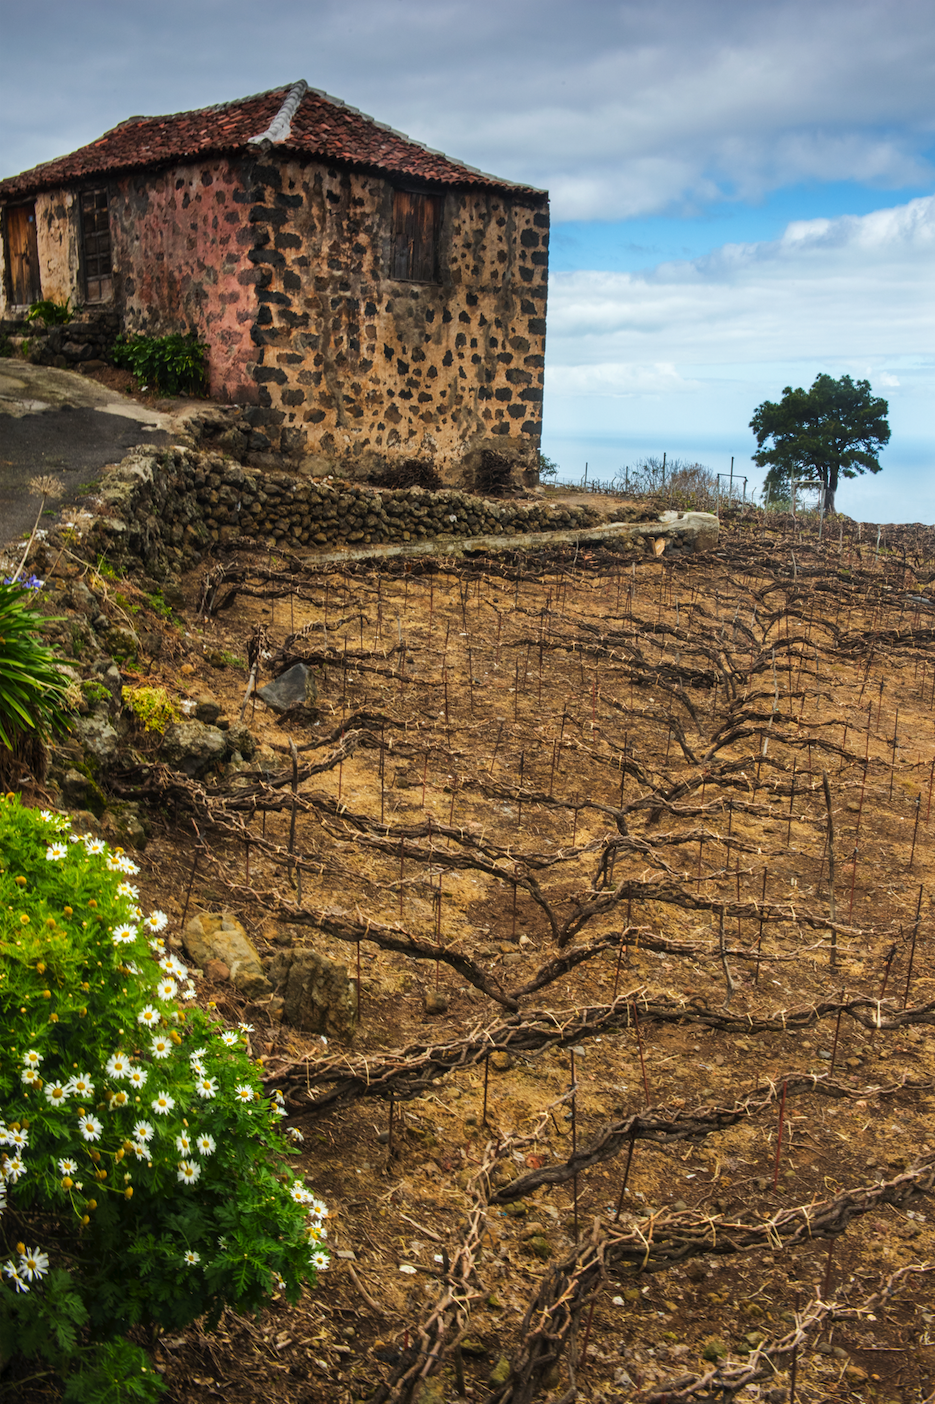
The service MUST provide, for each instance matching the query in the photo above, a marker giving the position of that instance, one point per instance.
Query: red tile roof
(322, 127)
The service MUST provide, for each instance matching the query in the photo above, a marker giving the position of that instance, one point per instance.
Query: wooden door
(23, 254)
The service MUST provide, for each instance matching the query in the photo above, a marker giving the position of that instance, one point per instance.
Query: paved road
(54, 421)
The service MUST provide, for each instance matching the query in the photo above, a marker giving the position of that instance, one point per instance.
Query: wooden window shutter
(416, 227)
(95, 246)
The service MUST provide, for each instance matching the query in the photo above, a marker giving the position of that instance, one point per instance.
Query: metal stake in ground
(782, 1117)
(574, 1137)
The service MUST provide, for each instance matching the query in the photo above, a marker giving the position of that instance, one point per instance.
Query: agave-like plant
(33, 690)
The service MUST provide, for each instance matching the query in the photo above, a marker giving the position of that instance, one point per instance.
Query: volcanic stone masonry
(167, 508)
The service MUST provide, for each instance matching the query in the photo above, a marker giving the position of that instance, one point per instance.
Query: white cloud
(829, 289)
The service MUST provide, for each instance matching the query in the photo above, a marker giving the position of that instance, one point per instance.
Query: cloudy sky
(741, 189)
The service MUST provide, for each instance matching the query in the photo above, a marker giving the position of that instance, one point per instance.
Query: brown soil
(539, 712)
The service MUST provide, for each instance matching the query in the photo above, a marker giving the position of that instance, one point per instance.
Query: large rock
(192, 747)
(318, 993)
(222, 938)
(293, 688)
(98, 738)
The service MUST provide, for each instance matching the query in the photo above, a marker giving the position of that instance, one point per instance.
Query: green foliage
(143, 1165)
(32, 689)
(174, 364)
(51, 313)
(835, 429)
(6, 348)
(152, 707)
(548, 468)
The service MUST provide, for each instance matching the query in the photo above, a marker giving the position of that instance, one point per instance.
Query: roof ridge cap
(281, 126)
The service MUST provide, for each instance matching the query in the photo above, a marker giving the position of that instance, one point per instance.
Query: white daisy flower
(55, 1093)
(68, 1167)
(16, 1281)
(149, 1017)
(18, 1140)
(143, 1131)
(295, 1133)
(125, 933)
(126, 865)
(243, 1092)
(229, 1038)
(56, 851)
(173, 966)
(13, 1168)
(80, 1086)
(137, 1077)
(156, 921)
(118, 1065)
(299, 1193)
(166, 989)
(246, 1028)
(320, 1262)
(320, 1208)
(315, 1233)
(206, 1087)
(32, 1059)
(156, 945)
(47, 815)
(196, 1055)
(33, 1264)
(161, 1046)
(119, 1099)
(126, 889)
(189, 991)
(191, 1257)
(205, 1143)
(183, 1144)
(30, 1077)
(189, 1171)
(90, 1128)
(94, 845)
(162, 1104)
(280, 1281)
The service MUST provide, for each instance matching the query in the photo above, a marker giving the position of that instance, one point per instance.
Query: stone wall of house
(181, 262)
(281, 266)
(356, 369)
(168, 507)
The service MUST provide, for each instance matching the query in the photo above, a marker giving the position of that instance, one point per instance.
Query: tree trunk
(829, 501)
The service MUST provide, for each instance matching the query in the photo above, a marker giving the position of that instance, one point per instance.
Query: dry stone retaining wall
(169, 507)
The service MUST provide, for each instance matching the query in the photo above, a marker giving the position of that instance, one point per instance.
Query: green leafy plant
(174, 364)
(33, 690)
(144, 1168)
(548, 468)
(51, 313)
(153, 708)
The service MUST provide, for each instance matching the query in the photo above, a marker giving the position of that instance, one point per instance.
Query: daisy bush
(143, 1176)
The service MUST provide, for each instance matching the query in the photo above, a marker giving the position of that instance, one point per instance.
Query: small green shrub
(143, 1167)
(152, 707)
(6, 348)
(51, 313)
(174, 364)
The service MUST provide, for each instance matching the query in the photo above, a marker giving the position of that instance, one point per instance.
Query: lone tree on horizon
(836, 428)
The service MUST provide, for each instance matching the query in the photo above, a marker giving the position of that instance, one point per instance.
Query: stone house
(371, 301)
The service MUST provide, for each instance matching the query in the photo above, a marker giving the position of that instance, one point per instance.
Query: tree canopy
(835, 429)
